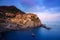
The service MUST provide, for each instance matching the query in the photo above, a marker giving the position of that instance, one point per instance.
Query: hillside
(11, 18)
(9, 11)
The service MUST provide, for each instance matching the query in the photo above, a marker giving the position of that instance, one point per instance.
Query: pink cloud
(48, 16)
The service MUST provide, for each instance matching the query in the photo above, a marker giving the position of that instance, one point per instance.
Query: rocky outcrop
(15, 19)
(12, 18)
(26, 20)
(18, 22)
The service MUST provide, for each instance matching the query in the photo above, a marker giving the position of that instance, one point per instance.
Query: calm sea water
(40, 33)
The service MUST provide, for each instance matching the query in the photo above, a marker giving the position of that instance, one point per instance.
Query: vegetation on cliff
(9, 11)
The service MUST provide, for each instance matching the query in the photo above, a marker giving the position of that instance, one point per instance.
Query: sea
(39, 33)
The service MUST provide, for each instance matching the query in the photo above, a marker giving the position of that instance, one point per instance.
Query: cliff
(26, 20)
(12, 18)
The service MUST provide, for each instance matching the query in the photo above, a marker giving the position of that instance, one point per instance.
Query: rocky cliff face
(15, 19)
(26, 20)
(20, 21)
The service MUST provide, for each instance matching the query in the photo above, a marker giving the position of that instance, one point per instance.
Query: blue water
(40, 33)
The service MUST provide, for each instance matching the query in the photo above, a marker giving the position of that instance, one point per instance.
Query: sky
(45, 9)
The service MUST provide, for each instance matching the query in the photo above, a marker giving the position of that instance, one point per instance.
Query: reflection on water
(40, 33)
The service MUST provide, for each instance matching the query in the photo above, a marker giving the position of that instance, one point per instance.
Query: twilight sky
(45, 9)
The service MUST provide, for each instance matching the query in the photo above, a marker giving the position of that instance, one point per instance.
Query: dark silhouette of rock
(10, 9)
(33, 35)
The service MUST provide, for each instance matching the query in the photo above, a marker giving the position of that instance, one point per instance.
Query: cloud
(50, 14)
(53, 10)
(45, 16)
(36, 8)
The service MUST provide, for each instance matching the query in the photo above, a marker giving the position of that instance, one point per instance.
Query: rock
(20, 20)
(33, 35)
(26, 20)
(9, 11)
(11, 18)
